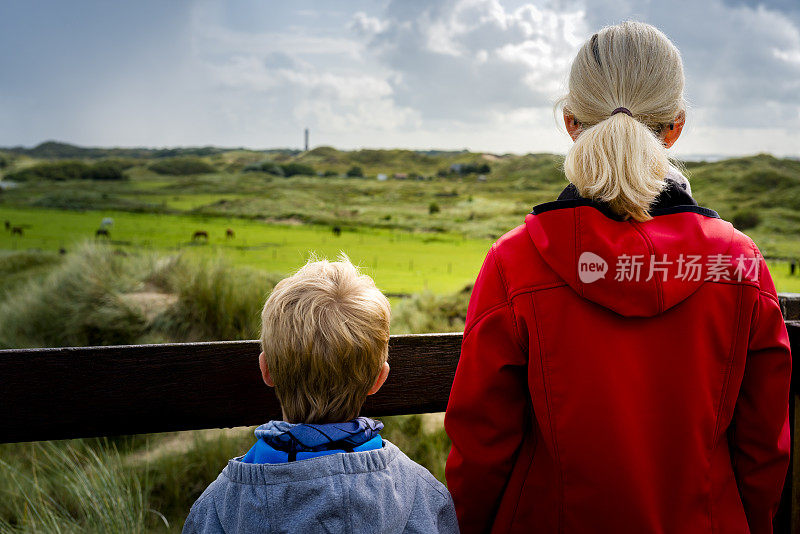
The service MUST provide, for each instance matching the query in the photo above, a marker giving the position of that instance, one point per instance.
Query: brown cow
(200, 234)
(102, 232)
(16, 230)
(229, 233)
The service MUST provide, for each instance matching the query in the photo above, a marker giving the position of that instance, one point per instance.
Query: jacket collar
(673, 199)
(306, 437)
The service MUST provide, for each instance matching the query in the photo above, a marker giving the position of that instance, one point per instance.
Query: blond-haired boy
(325, 339)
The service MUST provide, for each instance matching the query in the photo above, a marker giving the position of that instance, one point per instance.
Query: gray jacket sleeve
(433, 505)
(447, 521)
(203, 517)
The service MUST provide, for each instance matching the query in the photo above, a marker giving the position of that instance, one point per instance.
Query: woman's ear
(673, 130)
(262, 363)
(380, 380)
(573, 126)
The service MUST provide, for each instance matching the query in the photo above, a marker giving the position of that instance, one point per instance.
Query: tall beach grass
(147, 483)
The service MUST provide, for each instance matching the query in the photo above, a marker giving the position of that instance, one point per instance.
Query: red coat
(587, 401)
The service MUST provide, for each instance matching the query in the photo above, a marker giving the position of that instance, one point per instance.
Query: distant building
(382, 177)
(481, 177)
(456, 167)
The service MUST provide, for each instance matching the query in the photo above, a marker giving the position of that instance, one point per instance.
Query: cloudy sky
(448, 74)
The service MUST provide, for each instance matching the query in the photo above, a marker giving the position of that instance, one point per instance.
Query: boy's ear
(262, 363)
(380, 380)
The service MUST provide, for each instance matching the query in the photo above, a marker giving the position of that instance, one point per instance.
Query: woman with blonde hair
(625, 366)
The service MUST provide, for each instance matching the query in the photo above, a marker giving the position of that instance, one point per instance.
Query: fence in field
(65, 393)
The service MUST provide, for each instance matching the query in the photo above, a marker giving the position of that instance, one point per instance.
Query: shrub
(293, 169)
(58, 171)
(105, 170)
(122, 163)
(330, 173)
(69, 170)
(272, 168)
(268, 167)
(434, 208)
(470, 168)
(744, 220)
(86, 199)
(181, 166)
(355, 172)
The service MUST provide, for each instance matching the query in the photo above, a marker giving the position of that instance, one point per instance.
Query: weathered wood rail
(65, 393)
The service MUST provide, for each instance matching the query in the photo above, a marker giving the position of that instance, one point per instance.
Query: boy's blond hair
(325, 337)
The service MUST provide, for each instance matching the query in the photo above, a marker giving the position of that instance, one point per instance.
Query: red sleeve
(488, 404)
(759, 438)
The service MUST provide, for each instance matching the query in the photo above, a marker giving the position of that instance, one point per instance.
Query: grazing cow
(16, 230)
(229, 233)
(200, 234)
(107, 221)
(8, 226)
(62, 251)
(102, 232)
(337, 231)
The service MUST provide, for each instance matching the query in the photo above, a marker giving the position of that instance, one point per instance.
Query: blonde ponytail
(620, 159)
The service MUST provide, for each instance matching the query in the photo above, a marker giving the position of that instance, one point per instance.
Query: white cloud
(469, 59)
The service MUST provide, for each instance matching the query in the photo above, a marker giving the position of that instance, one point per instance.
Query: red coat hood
(588, 246)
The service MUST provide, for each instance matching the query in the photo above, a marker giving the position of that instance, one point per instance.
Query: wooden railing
(65, 393)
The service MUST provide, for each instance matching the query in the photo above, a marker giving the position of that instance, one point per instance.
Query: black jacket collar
(672, 199)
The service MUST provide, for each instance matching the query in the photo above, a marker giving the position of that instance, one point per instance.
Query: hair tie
(622, 110)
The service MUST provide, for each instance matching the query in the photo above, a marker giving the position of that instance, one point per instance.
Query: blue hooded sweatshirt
(302, 478)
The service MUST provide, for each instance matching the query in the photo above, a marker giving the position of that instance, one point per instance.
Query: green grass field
(400, 262)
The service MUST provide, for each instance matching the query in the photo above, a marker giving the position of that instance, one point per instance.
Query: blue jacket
(378, 490)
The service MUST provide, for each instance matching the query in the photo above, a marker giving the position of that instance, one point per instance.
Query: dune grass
(97, 296)
(70, 487)
(94, 295)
